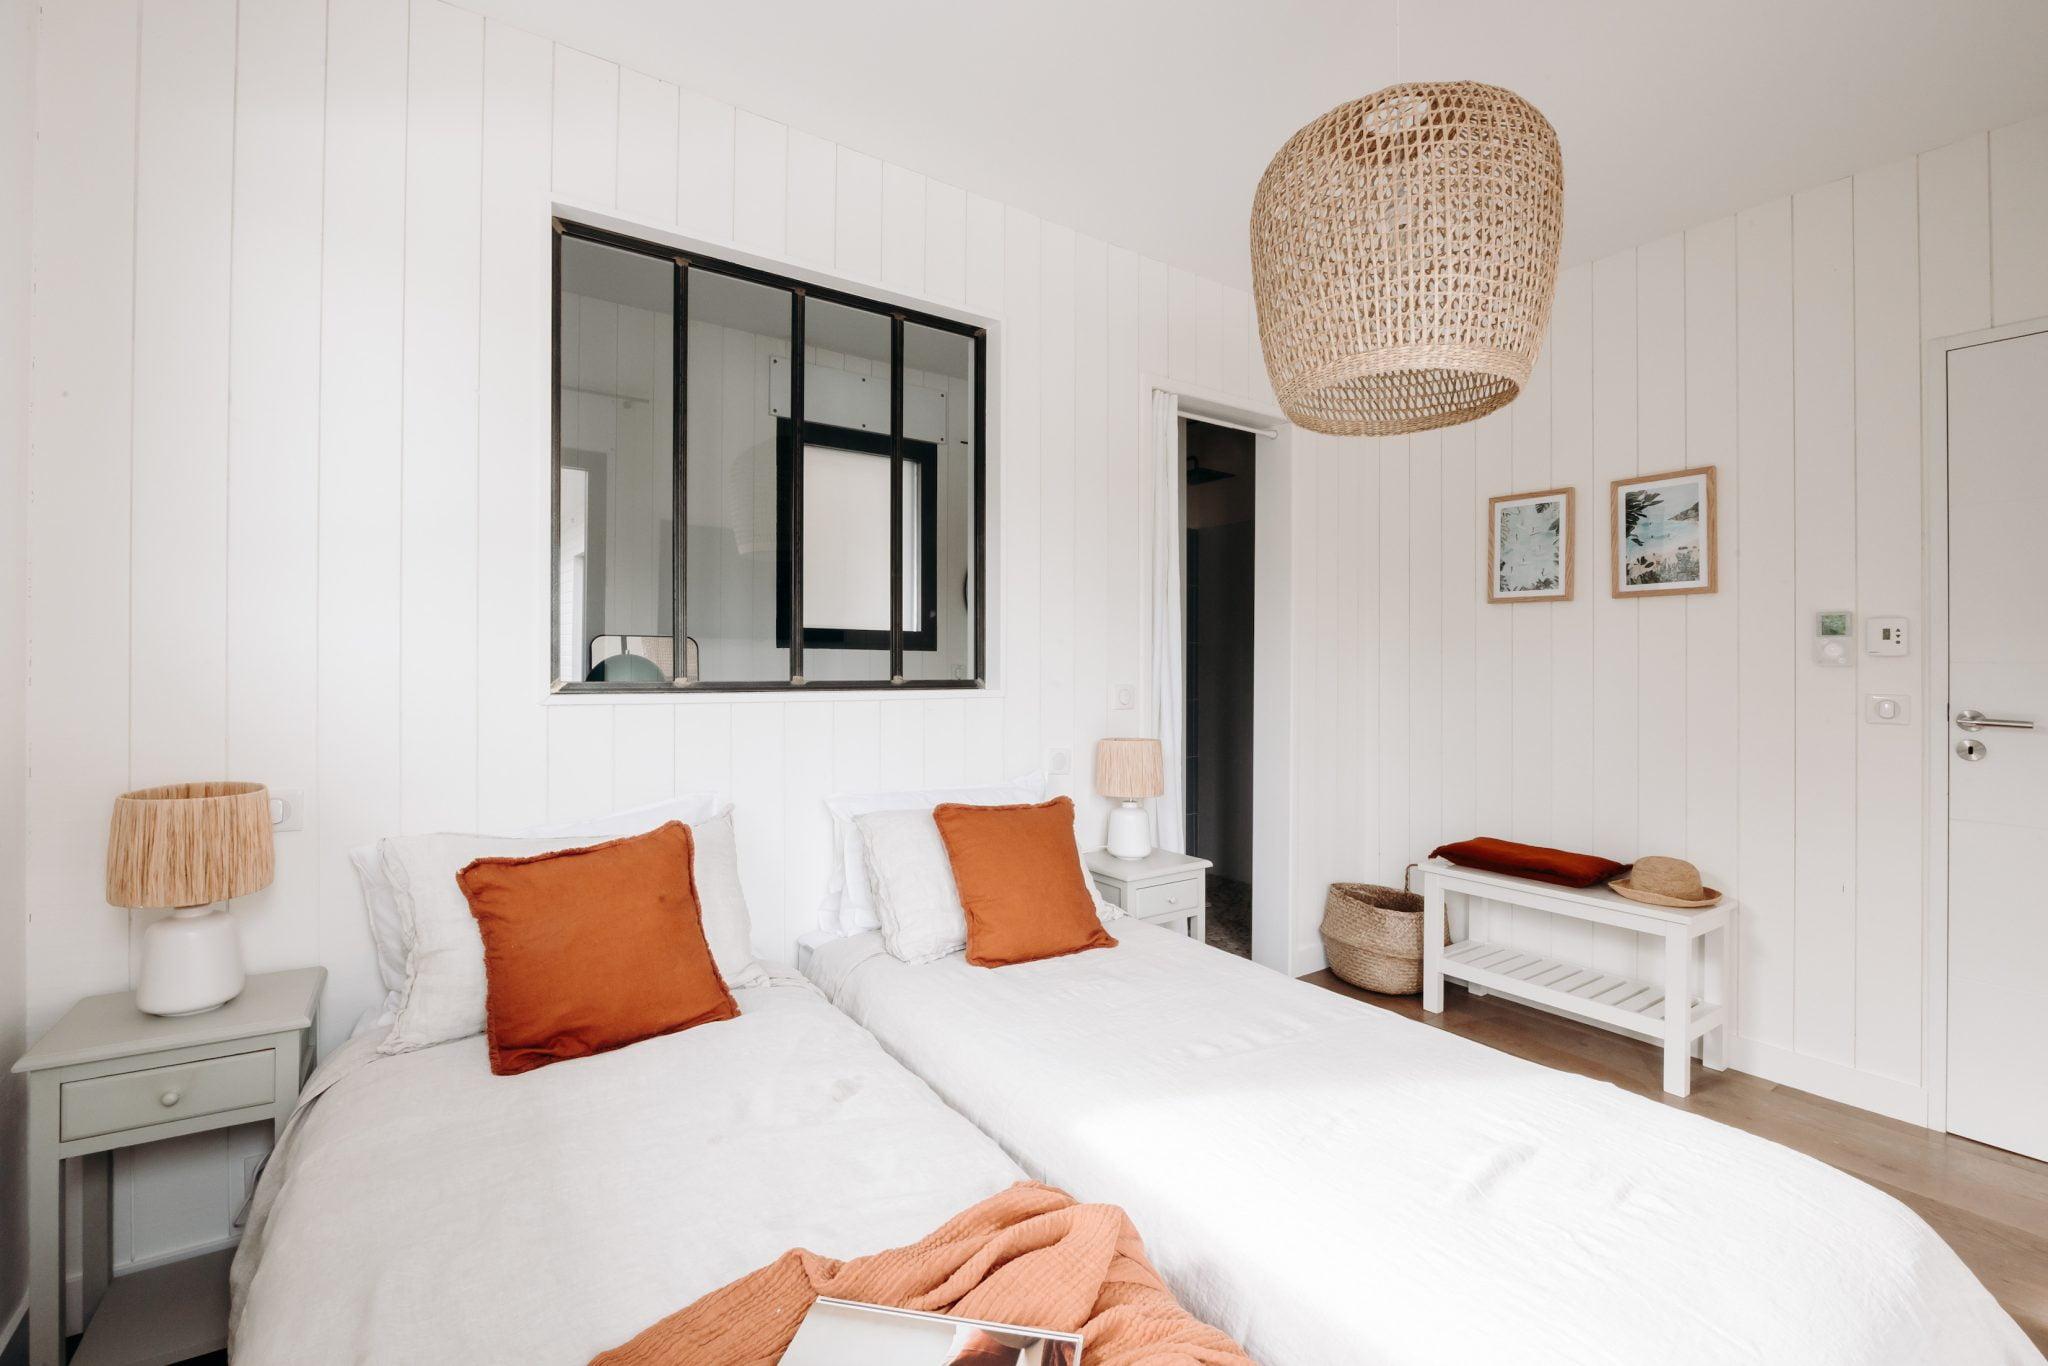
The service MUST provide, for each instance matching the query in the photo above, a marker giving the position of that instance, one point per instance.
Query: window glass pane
(938, 405)
(737, 378)
(846, 493)
(616, 553)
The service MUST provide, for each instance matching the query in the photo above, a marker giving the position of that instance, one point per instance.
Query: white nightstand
(1163, 887)
(108, 1076)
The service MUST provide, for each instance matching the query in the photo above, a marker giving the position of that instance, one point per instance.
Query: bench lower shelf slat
(1617, 1002)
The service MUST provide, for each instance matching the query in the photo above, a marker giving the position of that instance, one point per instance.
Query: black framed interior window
(759, 483)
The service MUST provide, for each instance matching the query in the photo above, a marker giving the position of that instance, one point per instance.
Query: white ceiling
(1148, 122)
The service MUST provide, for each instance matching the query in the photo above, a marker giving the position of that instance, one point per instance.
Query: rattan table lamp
(1130, 771)
(187, 848)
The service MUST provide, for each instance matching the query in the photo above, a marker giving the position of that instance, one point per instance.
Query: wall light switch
(1123, 697)
(1885, 635)
(1058, 761)
(1886, 709)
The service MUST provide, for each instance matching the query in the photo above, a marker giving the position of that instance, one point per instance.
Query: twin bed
(1325, 1182)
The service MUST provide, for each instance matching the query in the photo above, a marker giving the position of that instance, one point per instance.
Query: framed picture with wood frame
(1665, 527)
(1529, 547)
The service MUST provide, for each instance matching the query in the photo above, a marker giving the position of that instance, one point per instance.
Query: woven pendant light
(1404, 255)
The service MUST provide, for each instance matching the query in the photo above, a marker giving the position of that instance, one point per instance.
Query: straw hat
(1661, 881)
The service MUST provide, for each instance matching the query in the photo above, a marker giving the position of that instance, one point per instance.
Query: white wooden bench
(1695, 958)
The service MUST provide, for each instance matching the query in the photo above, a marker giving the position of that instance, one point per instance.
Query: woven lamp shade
(1129, 770)
(1404, 257)
(190, 844)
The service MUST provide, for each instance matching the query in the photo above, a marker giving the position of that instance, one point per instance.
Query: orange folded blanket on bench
(1031, 1256)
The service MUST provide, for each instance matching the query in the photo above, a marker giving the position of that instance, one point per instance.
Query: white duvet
(420, 1209)
(1331, 1183)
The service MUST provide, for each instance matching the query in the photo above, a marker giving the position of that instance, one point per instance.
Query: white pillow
(443, 995)
(392, 938)
(911, 877)
(849, 904)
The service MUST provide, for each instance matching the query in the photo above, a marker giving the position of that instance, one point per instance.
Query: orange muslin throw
(1029, 1256)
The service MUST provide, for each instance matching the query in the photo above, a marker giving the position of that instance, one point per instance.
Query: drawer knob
(1173, 900)
(168, 1099)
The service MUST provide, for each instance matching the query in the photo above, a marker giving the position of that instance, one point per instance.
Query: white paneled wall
(1783, 347)
(290, 458)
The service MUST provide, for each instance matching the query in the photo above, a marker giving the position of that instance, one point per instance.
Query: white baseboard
(1836, 1081)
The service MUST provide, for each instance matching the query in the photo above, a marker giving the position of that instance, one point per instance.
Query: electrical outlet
(287, 809)
(1059, 761)
(1123, 697)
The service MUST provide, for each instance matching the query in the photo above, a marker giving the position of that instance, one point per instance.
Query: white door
(1998, 765)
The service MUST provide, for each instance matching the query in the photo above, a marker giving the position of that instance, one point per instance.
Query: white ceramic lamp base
(1130, 831)
(191, 962)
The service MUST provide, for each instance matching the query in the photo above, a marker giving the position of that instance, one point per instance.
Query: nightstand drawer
(133, 1100)
(1111, 892)
(1168, 898)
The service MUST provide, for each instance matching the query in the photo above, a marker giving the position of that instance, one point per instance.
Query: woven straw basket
(1372, 936)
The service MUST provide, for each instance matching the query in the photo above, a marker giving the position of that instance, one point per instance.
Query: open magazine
(841, 1332)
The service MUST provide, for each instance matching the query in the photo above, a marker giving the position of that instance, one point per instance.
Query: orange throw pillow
(1020, 881)
(587, 950)
(1558, 866)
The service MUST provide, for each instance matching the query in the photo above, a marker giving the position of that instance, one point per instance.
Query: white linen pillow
(849, 904)
(443, 995)
(911, 878)
(387, 921)
(916, 898)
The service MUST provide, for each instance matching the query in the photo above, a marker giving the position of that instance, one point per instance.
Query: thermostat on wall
(1885, 635)
(1831, 634)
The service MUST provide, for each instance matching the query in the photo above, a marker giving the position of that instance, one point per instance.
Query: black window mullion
(679, 547)
(980, 344)
(896, 498)
(796, 487)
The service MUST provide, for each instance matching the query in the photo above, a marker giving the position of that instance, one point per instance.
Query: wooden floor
(1991, 1205)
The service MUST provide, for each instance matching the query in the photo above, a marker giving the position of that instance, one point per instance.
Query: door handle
(1974, 720)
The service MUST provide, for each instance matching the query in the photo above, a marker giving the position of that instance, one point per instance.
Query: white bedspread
(422, 1210)
(1331, 1183)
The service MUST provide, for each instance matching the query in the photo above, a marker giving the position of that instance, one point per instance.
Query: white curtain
(1169, 684)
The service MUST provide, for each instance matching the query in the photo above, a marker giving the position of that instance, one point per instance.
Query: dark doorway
(1220, 500)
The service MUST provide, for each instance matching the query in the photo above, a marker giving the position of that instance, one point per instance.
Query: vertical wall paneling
(184, 198)
(1824, 566)
(1493, 444)
(1570, 350)
(1424, 796)
(588, 116)
(813, 187)
(1182, 361)
(362, 313)
(706, 137)
(82, 338)
(703, 756)
(1208, 334)
(273, 446)
(1661, 657)
(1391, 456)
(858, 209)
(1530, 645)
(1090, 582)
(1460, 553)
(1234, 324)
(647, 146)
(984, 271)
(1124, 627)
(438, 528)
(1890, 808)
(902, 229)
(1153, 349)
(2019, 221)
(1350, 798)
(806, 780)
(1955, 237)
(945, 242)
(755, 782)
(1056, 577)
(1616, 696)
(1712, 684)
(760, 185)
(1768, 639)
(513, 417)
(1017, 509)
